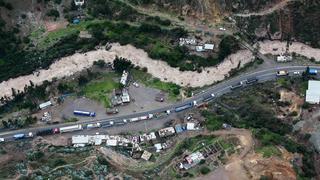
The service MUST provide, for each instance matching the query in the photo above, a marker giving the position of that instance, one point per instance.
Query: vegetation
(253, 109)
(100, 89)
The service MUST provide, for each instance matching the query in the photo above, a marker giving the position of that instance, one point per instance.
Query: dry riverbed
(67, 66)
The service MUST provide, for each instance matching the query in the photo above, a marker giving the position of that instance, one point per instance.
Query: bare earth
(69, 65)
(297, 47)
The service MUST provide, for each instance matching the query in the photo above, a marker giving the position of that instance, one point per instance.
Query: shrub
(53, 13)
(204, 170)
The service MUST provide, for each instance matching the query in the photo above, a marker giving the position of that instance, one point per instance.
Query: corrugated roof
(313, 92)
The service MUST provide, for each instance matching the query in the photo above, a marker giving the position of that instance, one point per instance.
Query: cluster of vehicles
(206, 98)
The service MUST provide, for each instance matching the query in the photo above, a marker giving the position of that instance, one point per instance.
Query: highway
(217, 89)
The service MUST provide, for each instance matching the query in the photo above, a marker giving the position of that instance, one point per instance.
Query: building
(192, 160)
(284, 58)
(191, 126)
(208, 46)
(112, 142)
(313, 92)
(80, 140)
(79, 2)
(158, 147)
(200, 49)
(179, 128)
(186, 41)
(45, 105)
(165, 132)
(146, 155)
(124, 78)
(125, 96)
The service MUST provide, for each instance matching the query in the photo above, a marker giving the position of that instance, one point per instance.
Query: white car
(168, 112)
(296, 73)
(222, 29)
(135, 84)
(1, 139)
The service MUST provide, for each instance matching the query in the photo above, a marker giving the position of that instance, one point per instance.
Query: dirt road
(270, 10)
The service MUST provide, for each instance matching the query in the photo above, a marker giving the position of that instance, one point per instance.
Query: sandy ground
(297, 47)
(69, 65)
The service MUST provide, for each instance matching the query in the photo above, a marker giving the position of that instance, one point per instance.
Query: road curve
(217, 89)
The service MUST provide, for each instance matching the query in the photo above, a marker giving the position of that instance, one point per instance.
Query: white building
(112, 142)
(284, 58)
(45, 105)
(208, 46)
(191, 126)
(80, 140)
(199, 49)
(313, 92)
(78, 2)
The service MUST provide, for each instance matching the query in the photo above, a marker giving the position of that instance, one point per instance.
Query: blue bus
(84, 113)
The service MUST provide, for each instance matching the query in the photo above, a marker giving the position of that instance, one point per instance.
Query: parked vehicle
(251, 80)
(1, 139)
(134, 119)
(84, 113)
(94, 125)
(71, 128)
(107, 124)
(112, 111)
(168, 111)
(238, 85)
(296, 73)
(19, 136)
(282, 73)
(184, 107)
(312, 71)
(208, 97)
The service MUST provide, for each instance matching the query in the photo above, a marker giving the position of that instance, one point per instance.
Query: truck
(93, 125)
(19, 136)
(282, 73)
(84, 113)
(184, 107)
(208, 97)
(107, 124)
(312, 71)
(77, 127)
(238, 85)
(44, 132)
(251, 80)
(134, 119)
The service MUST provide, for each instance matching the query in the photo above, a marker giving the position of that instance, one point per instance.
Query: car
(168, 111)
(238, 85)
(296, 73)
(1, 139)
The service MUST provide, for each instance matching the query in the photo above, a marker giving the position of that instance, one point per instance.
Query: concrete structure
(45, 105)
(158, 147)
(80, 139)
(313, 92)
(146, 155)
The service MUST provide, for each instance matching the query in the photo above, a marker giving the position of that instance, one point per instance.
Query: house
(186, 41)
(208, 46)
(146, 155)
(80, 140)
(45, 105)
(192, 160)
(165, 132)
(313, 92)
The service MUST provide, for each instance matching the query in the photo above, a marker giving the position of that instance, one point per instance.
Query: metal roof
(313, 92)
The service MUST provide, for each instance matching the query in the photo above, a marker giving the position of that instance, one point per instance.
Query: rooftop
(313, 93)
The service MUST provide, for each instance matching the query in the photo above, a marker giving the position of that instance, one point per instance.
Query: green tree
(120, 64)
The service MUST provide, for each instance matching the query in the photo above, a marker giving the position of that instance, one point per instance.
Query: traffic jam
(105, 124)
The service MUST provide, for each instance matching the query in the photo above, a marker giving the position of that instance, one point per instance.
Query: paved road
(218, 90)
